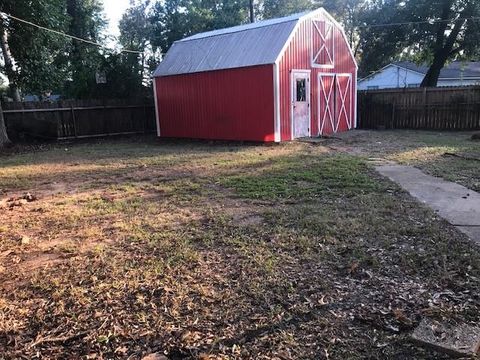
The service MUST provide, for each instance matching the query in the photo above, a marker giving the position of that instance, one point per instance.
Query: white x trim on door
(327, 95)
(343, 96)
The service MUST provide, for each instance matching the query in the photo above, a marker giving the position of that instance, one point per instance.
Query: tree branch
(456, 50)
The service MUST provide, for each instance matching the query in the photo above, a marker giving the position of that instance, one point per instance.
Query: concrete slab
(459, 340)
(455, 203)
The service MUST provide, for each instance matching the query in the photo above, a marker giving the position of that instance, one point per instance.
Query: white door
(326, 104)
(300, 104)
(343, 102)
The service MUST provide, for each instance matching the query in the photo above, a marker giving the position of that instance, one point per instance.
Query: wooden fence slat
(444, 108)
(79, 119)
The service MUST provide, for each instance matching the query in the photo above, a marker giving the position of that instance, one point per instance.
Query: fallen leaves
(183, 268)
(25, 240)
(19, 201)
(155, 356)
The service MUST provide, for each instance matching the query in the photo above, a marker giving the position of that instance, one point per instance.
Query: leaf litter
(227, 254)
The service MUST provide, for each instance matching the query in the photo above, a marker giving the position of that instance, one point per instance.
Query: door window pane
(301, 90)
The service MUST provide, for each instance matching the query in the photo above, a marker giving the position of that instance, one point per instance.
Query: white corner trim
(276, 103)
(156, 106)
(354, 93)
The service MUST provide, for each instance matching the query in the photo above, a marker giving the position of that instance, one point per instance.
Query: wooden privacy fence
(449, 108)
(79, 118)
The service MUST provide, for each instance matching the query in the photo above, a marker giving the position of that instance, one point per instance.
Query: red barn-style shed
(274, 80)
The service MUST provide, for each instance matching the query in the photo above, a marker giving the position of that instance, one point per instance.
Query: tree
(350, 13)
(279, 8)
(34, 61)
(4, 140)
(430, 31)
(8, 64)
(251, 11)
(135, 33)
(448, 39)
(85, 60)
(175, 19)
(380, 45)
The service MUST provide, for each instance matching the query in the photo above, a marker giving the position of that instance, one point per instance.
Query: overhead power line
(66, 35)
(141, 52)
(418, 22)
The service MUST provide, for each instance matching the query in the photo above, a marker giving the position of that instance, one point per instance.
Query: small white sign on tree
(101, 77)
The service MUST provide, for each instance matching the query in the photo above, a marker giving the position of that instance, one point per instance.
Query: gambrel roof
(259, 43)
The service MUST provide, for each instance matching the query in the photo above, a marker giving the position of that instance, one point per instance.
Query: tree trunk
(8, 60)
(444, 49)
(433, 73)
(252, 14)
(4, 140)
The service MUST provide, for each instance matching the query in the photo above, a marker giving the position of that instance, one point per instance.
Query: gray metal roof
(239, 46)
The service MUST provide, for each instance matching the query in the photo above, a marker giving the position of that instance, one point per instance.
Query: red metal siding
(233, 104)
(298, 56)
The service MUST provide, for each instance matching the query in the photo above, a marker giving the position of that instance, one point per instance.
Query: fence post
(74, 121)
(104, 116)
(425, 109)
(144, 118)
(392, 119)
(4, 140)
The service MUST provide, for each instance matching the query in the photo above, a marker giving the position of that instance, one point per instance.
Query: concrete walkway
(455, 203)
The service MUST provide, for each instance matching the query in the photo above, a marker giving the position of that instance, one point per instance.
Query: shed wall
(298, 56)
(233, 104)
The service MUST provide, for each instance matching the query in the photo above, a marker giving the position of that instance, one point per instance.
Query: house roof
(259, 43)
(454, 70)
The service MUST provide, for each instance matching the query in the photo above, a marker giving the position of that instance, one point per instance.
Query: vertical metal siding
(298, 56)
(233, 104)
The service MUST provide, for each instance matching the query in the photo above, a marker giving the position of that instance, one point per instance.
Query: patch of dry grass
(427, 150)
(222, 252)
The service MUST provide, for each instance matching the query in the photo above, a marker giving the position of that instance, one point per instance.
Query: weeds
(232, 252)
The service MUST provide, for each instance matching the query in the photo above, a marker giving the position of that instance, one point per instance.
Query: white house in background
(404, 74)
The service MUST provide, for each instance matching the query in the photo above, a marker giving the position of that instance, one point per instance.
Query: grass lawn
(431, 151)
(211, 251)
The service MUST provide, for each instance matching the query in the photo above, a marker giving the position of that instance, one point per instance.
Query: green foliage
(436, 40)
(175, 19)
(40, 57)
(86, 22)
(135, 32)
(279, 8)
(350, 13)
(46, 61)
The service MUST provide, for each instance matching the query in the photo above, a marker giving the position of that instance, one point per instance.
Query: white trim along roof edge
(311, 14)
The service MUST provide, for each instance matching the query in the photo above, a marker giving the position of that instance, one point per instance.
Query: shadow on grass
(181, 276)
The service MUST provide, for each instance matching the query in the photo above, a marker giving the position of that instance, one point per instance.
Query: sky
(114, 10)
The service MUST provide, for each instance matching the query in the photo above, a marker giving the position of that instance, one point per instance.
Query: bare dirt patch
(200, 251)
